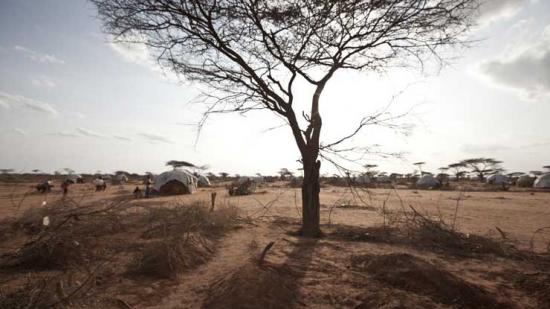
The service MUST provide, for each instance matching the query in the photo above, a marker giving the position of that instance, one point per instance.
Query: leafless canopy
(252, 51)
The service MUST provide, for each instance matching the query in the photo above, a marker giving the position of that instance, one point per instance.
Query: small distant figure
(148, 183)
(137, 192)
(44, 187)
(65, 187)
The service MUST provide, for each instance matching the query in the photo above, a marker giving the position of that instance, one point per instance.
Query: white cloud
(138, 53)
(90, 133)
(38, 56)
(526, 70)
(43, 82)
(20, 131)
(4, 105)
(155, 138)
(122, 138)
(493, 10)
(65, 134)
(28, 103)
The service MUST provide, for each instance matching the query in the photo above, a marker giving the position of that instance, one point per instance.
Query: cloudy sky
(70, 98)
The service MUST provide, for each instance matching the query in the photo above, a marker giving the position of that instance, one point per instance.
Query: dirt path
(233, 251)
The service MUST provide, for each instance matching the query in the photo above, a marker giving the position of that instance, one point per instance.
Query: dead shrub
(171, 257)
(195, 217)
(35, 293)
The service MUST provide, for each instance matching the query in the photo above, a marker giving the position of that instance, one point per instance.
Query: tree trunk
(310, 197)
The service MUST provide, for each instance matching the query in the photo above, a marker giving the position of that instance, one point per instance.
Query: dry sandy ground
(363, 261)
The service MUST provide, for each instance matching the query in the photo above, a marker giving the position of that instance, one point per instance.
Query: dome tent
(497, 179)
(175, 182)
(525, 181)
(543, 181)
(363, 179)
(427, 181)
(203, 181)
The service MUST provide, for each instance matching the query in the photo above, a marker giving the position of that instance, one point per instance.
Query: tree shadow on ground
(264, 284)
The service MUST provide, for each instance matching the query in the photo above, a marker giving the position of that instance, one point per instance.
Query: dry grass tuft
(171, 257)
(183, 238)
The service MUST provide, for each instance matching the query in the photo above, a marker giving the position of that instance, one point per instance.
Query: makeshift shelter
(74, 178)
(119, 179)
(203, 181)
(497, 179)
(427, 181)
(362, 180)
(542, 182)
(175, 182)
(383, 179)
(525, 181)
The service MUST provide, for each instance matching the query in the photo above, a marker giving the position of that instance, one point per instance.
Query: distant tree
(68, 171)
(6, 170)
(547, 167)
(285, 173)
(419, 164)
(515, 174)
(536, 173)
(224, 175)
(175, 164)
(122, 173)
(483, 166)
(370, 169)
(458, 169)
(254, 54)
(36, 171)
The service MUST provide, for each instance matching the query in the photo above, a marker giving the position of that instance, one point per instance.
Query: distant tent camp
(119, 179)
(427, 181)
(175, 182)
(203, 181)
(525, 181)
(543, 181)
(497, 179)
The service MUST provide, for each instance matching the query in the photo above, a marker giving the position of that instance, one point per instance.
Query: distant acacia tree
(458, 169)
(419, 164)
(370, 172)
(251, 53)
(224, 175)
(285, 173)
(6, 170)
(483, 166)
(547, 167)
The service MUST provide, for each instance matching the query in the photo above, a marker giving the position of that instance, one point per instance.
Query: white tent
(383, 179)
(363, 179)
(525, 181)
(427, 181)
(175, 182)
(543, 181)
(203, 181)
(497, 179)
(74, 178)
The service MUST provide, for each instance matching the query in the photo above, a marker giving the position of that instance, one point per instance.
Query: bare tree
(458, 169)
(483, 166)
(419, 164)
(252, 52)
